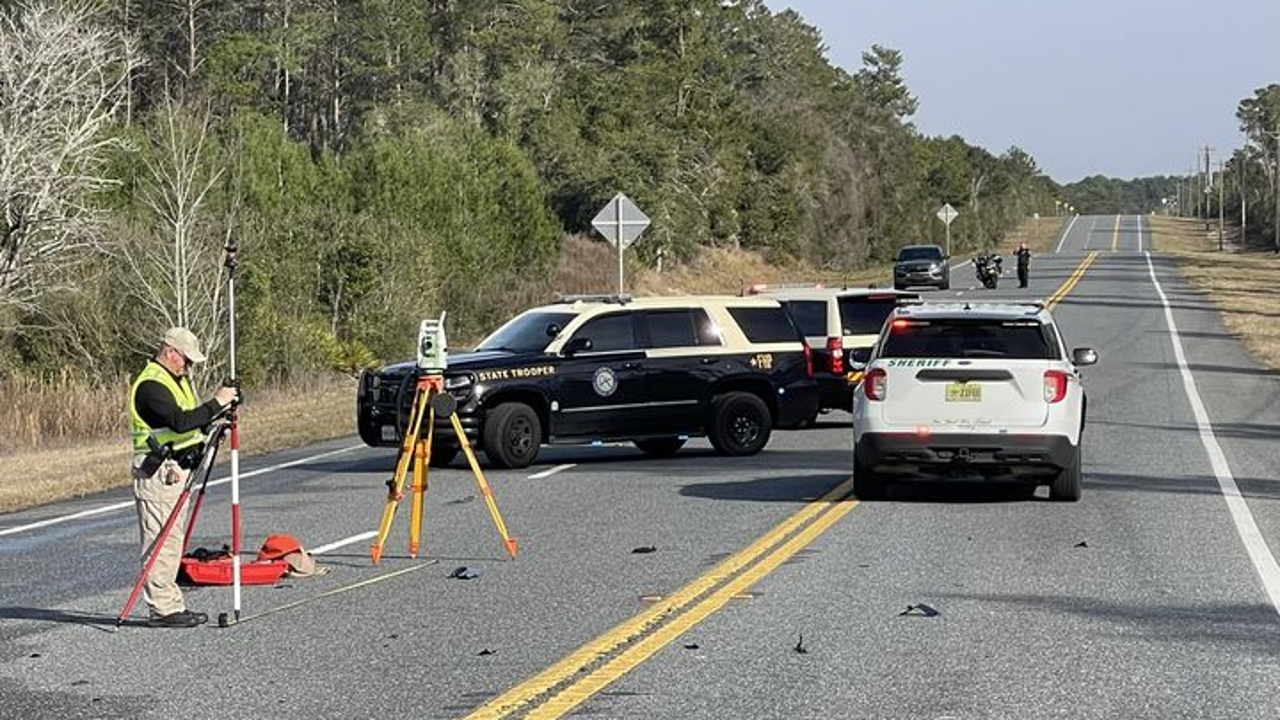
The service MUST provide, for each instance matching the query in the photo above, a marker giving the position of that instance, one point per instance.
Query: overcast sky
(1125, 88)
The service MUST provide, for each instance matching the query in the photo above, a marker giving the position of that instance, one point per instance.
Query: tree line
(378, 161)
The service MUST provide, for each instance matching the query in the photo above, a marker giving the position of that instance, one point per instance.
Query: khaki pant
(155, 497)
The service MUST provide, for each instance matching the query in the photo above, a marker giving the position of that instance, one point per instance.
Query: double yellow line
(565, 685)
(1069, 284)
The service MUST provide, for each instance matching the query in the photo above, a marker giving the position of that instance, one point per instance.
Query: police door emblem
(604, 382)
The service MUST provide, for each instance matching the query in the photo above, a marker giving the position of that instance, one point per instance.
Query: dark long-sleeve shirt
(159, 408)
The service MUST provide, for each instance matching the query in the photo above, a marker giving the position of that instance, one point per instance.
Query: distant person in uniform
(1024, 264)
(167, 428)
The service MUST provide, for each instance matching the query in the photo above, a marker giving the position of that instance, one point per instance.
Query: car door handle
(632, 366)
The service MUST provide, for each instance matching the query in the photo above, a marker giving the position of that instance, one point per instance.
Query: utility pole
(1222, 186)
(1208, 184)
(1244, 205)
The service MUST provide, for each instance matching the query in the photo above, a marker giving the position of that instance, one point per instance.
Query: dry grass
(44, 472)
(1240, 282)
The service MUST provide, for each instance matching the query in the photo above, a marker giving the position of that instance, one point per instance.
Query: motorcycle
(988, 268)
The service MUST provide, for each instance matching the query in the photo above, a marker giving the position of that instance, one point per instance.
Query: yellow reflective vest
(139, 430)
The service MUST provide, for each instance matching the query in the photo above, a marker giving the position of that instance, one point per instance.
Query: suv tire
(740, 424)
(512, 435)
(946, 283)
(1068, 484)
(867, 483)
(660, 447)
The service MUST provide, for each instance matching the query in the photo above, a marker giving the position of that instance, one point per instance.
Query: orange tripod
(430, 400)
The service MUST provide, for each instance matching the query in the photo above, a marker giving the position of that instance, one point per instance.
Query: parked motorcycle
(988, 268)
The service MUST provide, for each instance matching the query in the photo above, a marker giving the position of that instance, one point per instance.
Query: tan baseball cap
(185, 342)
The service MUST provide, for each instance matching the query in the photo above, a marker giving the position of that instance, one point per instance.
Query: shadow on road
(75, 617)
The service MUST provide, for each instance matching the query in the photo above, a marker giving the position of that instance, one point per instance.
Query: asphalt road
(1147, 599)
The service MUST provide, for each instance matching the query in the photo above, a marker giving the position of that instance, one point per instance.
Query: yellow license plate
(964, 392)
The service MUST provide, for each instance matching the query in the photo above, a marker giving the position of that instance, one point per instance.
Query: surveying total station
(429, 401)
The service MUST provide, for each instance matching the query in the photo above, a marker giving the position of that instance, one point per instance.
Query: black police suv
(653, 371)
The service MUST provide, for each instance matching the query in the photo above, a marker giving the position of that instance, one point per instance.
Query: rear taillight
(1055, 386)
(835, 347)
(875, 383)
(808, 361)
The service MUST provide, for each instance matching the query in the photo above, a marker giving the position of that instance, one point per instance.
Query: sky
(1123, 88)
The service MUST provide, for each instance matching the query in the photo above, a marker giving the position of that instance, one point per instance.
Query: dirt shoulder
(1241, 281)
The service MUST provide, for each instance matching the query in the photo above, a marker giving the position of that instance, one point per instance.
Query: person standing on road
(167, 429)
(1024, 264)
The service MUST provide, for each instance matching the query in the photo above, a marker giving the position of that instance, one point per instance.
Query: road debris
(643, 550)
(800, 648)
(920, 610)
(463, 572)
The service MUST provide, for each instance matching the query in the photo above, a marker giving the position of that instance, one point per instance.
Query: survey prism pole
(235, 434)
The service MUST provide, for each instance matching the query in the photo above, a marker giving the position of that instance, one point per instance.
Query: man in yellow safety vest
(167, 429)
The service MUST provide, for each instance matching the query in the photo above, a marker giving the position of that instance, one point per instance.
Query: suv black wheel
(512, 435)
(660, 447)
(867, 483)
(740, 424)
(1067, 486)
(945, 284)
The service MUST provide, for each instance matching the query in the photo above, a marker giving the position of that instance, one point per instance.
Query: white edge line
(344, 542)
(1263, 561)
(130, 503)
(552, 471)
(1139, 233)
(1066, 232)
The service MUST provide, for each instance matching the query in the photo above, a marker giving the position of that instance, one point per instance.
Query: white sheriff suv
(965, 389)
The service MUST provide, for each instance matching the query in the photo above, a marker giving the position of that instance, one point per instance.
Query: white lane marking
(344, 542)
(1093, 225)
(552, 471)
(1263, 561)
(1139, 233)
(129, 503)
(1066, 232)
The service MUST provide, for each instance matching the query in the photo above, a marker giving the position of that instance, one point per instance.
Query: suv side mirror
(577, 345)
(860, 355)
(1084, 356)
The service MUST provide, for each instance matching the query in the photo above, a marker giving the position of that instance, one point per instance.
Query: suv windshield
(530, 332)
(927, 252)
(1011, 339)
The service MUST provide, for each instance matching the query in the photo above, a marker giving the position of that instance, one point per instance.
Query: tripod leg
(508, 542)
(422, 460)
(395, 486)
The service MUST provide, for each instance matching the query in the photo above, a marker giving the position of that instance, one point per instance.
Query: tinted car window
(865, 315)
(671, 328)
(1016, 340)
(765, 324)
(809, 315)
(681, 328)
(920, 253)
(530, 332)
(609, 332)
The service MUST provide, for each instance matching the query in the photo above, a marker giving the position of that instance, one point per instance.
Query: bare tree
(175, 261)
(63, 77)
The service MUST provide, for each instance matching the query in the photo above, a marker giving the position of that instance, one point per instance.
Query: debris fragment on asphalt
(461, 500)
(644, 549)
(800, 648)
(487, 651)
(1082, 543)
(920, 610)
(463, 572)
(691, 646)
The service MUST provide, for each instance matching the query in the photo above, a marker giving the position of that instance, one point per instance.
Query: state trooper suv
(653, 371)
(971, 389)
